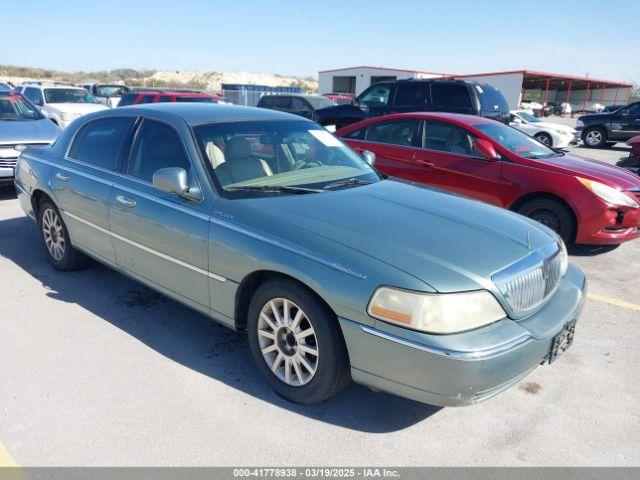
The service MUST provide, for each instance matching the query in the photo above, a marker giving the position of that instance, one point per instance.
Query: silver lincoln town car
(265, 222)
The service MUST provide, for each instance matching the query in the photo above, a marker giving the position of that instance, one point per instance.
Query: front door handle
(62, 176)
(127, 202)
(425, 163)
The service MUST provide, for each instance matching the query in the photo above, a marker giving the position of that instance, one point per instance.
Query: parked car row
(266, 222)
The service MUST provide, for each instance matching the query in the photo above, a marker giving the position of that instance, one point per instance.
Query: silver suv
(21, 125)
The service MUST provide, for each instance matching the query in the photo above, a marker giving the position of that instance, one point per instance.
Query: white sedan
(550, 134)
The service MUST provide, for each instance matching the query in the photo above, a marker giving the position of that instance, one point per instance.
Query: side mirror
(39, 103)
(369, 157)
(172, 180)
(485, 149)
(515, 119)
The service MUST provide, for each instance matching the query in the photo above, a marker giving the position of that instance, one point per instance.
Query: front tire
(595, 137)
(552, 214)
(296, 342)
(55, 238)
(544, 138)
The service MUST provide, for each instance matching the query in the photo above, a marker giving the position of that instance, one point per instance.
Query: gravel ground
(98, 370)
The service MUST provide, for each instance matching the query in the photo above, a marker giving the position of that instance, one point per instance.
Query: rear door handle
(62, 176)
(127, 202)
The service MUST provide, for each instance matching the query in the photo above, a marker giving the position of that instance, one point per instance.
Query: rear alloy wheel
(595, 137)
(552, 214)
(55, 237)
(296, 342)
(544, 138)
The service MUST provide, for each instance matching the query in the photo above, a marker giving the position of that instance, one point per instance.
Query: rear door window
(446, 95)
(100, 143)
(282, 103)
(411, 95)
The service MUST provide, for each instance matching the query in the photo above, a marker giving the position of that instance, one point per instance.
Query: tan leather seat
(239, 166)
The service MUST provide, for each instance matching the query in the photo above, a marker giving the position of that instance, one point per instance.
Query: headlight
(608, 194)
(67, 116)
(579, 123)
(564, 257)
(435, 313)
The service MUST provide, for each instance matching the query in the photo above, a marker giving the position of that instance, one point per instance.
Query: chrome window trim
(474, 355)
(146, 249)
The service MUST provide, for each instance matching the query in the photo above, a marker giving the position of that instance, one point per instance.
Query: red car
(584, 200)
(135, 98)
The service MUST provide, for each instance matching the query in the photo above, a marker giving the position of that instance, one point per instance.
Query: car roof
(196, 113)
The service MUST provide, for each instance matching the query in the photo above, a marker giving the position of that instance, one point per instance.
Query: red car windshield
(516, 141)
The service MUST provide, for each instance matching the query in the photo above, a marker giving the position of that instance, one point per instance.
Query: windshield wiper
(275, 188)
(345, 183)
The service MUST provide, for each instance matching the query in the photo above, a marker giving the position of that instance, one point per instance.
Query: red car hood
(593, 170)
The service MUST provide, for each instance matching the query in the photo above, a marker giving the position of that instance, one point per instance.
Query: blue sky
(302, 37)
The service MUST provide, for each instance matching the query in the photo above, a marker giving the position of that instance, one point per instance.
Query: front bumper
(460, 369)
(604, 224)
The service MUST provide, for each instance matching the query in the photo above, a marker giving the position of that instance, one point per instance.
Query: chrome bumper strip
(494, 351)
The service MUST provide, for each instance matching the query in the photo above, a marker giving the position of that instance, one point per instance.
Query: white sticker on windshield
(326, 138)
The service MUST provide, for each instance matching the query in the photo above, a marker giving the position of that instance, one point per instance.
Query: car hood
(346, 110)
(81, 108)
(447, 241)
(596, 117)
(28, 131)
(634, 142)
(593, 170)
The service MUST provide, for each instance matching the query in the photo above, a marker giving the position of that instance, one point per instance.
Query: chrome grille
(8, 162)
(530, 282)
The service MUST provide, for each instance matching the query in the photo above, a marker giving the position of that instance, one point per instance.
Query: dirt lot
(98, 370)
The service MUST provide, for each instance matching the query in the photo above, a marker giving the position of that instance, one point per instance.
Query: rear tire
(296, 342)
(56, 240)
(544, 138)
(552, 214)
(594, 137)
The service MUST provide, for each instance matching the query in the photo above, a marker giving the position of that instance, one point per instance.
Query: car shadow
(615, 148)
(589, 250)
(192, 339)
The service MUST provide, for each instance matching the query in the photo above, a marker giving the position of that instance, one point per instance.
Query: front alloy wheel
(296, 342)
(288, 342)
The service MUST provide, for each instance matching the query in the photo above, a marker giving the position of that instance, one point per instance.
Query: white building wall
(363, 77)
(510, 84)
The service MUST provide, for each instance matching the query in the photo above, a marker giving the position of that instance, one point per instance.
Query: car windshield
(491, 99)
(528, 117)
(68, 95)
(320, 102)
(111, 90)
(280, 157)
(13, 106)
(516, 141)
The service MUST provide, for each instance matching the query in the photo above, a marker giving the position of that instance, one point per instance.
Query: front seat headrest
(237, 149)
